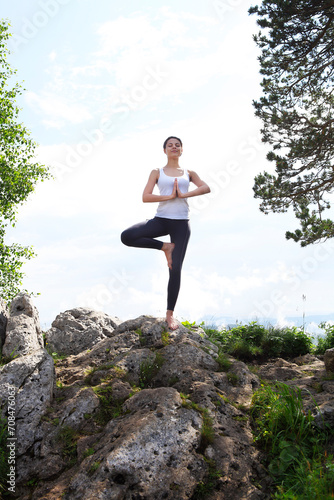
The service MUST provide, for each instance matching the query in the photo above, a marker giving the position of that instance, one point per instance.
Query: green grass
(295, 447)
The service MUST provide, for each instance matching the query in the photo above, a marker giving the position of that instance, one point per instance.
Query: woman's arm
(202, 187)
(148, 195)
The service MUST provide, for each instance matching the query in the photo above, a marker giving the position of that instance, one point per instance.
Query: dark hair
(171, 137)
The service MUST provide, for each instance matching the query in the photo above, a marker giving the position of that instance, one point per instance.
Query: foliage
(297, 460)
(297, 112)
(19, 172)
(254, 341)
(326, 342)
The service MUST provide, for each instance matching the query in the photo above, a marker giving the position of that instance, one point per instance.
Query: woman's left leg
(180, 234)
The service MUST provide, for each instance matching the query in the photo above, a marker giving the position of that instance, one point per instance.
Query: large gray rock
(27, 382)
(79, 329)
(152, 450)
(23, 332)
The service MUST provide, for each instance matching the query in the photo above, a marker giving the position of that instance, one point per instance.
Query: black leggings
(142, 235)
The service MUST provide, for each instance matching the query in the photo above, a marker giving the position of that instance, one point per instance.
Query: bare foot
(168, 249)
(172, 323)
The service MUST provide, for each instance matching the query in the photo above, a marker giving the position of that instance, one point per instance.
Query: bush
(286, 342)
(327, 342)
(254, 341)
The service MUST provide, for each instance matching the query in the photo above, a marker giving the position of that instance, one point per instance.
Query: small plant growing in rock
(149, 369)
(142, 339)
(224, 362)
(94, 467)
(165, 337)
(109, 407)
(206, 487)
(207, 431)
(233, 378)
(68, 438)
(4, 360)
(88, 452)
(89, 373)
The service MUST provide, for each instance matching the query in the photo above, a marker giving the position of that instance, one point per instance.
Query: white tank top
(177, 208)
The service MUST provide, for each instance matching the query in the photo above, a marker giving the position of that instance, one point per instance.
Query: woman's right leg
(142, 235)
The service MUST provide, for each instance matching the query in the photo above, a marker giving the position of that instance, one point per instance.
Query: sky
(105, 84)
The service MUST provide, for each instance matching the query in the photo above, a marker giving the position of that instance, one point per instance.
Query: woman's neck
(173, 163)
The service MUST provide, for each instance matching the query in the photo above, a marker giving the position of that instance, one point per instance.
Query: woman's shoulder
(191, 173)
(155, 173)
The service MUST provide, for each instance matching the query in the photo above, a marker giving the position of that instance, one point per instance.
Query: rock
(29, 380)
(329, 360)
(23, 332)
(325, 415)
(280, 369)
(152, 450)
(3, 322)
(79, 329)
(156, 411)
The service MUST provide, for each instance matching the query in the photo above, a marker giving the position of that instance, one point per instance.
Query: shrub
(286, 342)
(327, 342)
(253, 341)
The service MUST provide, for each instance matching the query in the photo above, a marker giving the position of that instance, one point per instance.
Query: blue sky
(106, 83)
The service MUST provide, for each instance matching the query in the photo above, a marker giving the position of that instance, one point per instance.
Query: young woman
(172, 217)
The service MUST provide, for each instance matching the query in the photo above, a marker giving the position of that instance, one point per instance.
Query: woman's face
(173, 148)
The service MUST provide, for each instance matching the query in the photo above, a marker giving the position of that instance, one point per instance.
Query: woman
(172, 217)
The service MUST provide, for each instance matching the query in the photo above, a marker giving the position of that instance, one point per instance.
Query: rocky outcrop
(27, 381)
(79, 329)
(141, 412)
(23, 332)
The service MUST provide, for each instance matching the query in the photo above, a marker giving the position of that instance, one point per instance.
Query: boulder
(23, 332)
(79, 329)
(151, 451)
(27, 382)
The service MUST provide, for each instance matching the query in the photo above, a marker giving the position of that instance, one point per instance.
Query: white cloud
(57, 108)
